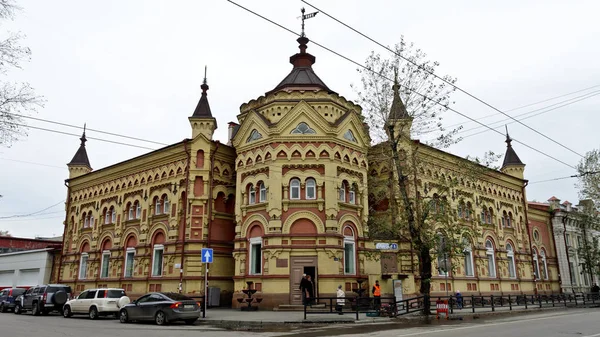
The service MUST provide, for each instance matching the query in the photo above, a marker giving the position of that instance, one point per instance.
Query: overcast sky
(135, 67)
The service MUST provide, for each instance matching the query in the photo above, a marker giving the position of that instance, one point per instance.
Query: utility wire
(76, 135)
(87, 129)
(33, 163)
(562, 178)
(34, 217)
(441, 78)
(33, 213)
(371, 70)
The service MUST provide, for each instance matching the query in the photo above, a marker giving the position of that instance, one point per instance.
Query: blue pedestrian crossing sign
(207, 255)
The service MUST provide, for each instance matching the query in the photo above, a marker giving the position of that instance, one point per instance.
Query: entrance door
(301, 265)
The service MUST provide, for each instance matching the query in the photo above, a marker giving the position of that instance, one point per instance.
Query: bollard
(509, 303)
(473, 303)
(492, 300)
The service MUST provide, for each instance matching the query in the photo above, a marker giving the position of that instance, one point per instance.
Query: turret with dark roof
(203, 108)
(202, 120)
(512, 164)
(398, 109)
(80, 164)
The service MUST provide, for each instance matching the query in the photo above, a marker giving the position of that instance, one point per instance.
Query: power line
(32, 163)
(87, 129)
(441, 78)
(30, 214)
(368, 69)
(33, 217)
(568, 177)
(76, 135)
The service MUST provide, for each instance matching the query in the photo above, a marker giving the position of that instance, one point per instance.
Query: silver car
(162, 308)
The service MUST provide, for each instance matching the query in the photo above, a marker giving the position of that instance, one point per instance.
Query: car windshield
(177, 297)
(17, 292)
(115, 293)
(55, 289)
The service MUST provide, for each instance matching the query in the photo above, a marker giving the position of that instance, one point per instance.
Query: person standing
(459, 300)
(341, 301)
(376, 295)
(310, 290)
(304, 284)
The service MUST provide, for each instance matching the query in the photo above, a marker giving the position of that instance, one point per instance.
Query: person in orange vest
(376, 295)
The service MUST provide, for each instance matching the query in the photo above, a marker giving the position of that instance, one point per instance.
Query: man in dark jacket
(304, 285)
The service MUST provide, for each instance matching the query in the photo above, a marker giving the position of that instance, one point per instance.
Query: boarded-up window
(389, 263)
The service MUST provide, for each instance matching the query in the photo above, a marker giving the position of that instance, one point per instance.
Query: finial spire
(510, 157)
(304, 17)
(203, 108)
(83, 139)
(204, 86)
(508, 139)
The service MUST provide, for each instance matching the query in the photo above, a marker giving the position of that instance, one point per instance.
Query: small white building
(26, 268)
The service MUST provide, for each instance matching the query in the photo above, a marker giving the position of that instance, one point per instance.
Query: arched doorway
(300, 265)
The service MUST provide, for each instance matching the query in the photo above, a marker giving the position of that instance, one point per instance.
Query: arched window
(158, 254)
(83, 266)
(311, 189)
(442, 256)
(349, 251)
(483, 215)
(106, 216)
(509, 220)
(510, 254)
(468, 254)
(352, 194)
(504, 217)
(130, 212)
(468, 211)
(489, 215)
(536, 265)
(165, 202)
(295, 189)
(138, 210)
(157, 206)
(90, 219)
(251, 195)
(262, 194)
(86, 220)
(489, 247)
(343, 191)
(460, 210)
(129, 255)
(255, 246)
(544, 265)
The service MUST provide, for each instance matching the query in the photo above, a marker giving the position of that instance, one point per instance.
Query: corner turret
(201, 120)
(512, 165)
(80, 164)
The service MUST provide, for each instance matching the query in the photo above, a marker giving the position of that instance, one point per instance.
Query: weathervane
(304, 17)
(204, 82)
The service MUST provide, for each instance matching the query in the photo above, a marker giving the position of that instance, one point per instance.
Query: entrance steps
(299, 307)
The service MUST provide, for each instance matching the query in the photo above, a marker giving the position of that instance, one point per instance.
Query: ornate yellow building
(288, 195)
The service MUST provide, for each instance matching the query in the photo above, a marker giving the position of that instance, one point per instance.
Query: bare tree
(4, 233)
(16, 99)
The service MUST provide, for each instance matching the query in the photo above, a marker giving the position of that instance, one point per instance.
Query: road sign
(207, 255)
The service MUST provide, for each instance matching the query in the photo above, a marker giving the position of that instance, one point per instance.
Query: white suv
(97, 302)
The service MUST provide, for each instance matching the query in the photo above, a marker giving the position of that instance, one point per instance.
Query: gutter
(66, 226)
(210, 191)
(184, 210)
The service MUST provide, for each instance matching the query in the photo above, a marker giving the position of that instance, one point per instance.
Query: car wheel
(17, 310)
(190, 321)
(35, 309)
(93, 313)
(67, 312)
(123, 316)
(160, 318)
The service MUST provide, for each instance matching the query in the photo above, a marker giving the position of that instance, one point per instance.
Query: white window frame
(113, 215)
(130, 214)
(544, 264)
(128, 252)
(251, 195)
(138, 211)
(165, 204)
(158, 206)
(105, 255)
(86, 221)
(350, 266)
(107, 216)
(91, 222)
(262, 193)
(311, 189)
(255, 252)
(343, 192)
(83, 266)
(295, 185)
(352, 196)
(510, 254)
(536, 265)
(489, 252)
(468, 254)
(162, 260)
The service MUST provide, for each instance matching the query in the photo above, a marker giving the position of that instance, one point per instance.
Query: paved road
(575, 322)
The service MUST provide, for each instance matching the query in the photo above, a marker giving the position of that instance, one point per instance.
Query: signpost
(207, 257)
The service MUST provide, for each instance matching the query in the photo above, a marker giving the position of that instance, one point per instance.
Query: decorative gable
(303, 129)
(254, 135)
(349, 135)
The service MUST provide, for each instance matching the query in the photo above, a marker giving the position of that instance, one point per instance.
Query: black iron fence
(389, 306)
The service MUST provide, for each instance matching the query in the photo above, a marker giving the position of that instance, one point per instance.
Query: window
(544, 265)
(86, 221)
(483, 216)
(352, 195)
(254, 135)
(489, 216)
(568, 239)
(129, 255)
(83, 295)
(468, 211)
(536, 235)
(509, 220)
(251, 195)
(105, 263)
(349, 255)
(343, 192)
(510, 254)
(303, 129)
(490, 257)
(468, 253)
(262, 192)
(573, 273)
(130, 212)
(504, 217)
(442, 262)
(90, 295)
(255, 256)
(113, 215)
(107, 216)
(157, 206)
(91, 220)
(138, 210)
(348, 135)
(311, 189)
(165, 201)
(579, 242)
(295, 189)
(459, 210)
(83, 266)
(157, 260)
(536, 265)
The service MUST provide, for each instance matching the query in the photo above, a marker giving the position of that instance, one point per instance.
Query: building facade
(287, 195)
(570, 234)
(27, 268)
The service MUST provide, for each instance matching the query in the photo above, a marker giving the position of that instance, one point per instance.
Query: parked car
(8, 297)
(162, 308)
(43, 299)
(97, 302)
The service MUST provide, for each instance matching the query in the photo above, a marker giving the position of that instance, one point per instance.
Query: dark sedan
(162, 308)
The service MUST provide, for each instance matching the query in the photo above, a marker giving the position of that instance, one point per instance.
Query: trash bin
(214, 296)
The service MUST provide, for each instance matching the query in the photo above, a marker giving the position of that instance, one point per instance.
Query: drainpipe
(184, 207)
(210, 190)
(529, 236)
(66, 225)
(564, 221)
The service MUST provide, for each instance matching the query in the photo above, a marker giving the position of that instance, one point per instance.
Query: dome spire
(398, 109)
(203, 108)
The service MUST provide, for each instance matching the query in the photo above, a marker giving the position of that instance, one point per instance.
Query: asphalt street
(575, 322)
